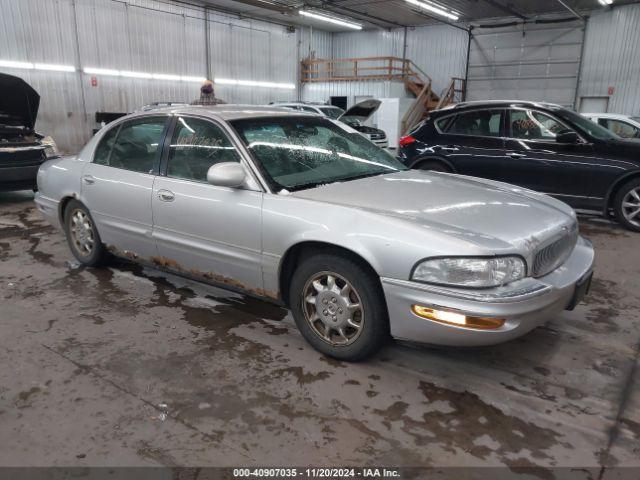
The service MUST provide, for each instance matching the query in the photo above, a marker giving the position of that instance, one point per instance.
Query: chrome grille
(551, 256)
(377, 136)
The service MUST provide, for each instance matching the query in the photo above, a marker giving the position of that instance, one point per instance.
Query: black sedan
(22, 149)
(539, 146)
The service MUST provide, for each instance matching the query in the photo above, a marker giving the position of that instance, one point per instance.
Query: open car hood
(19, 102)
(362, 110)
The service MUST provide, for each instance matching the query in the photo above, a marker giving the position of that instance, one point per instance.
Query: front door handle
(449, 148)
(89, 179)
(166, 195)
(516, 155)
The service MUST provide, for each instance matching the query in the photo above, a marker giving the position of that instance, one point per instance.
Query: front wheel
(82, 235)
(339, 307)
(627, 205)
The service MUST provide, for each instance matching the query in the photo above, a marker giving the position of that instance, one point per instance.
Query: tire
(84, 240)
(626, 205)
(433, 165)
(340, 313)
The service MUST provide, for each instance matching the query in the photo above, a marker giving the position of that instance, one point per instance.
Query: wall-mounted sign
(610, 91)
(94, 81)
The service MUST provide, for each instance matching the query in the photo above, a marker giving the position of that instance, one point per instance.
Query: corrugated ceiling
(397, 13)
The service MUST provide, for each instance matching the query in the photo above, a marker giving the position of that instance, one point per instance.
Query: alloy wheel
(81, 230)
(333, 309)
(631, 206)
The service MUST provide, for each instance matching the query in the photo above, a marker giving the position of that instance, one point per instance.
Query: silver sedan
(306, 212)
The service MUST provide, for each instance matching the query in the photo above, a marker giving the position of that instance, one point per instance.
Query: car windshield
(587, 126)
(332, 112)
(296, 152)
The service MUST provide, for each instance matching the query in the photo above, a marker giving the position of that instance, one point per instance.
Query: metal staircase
(415, 80)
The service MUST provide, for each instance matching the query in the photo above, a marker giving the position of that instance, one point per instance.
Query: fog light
(458, 319)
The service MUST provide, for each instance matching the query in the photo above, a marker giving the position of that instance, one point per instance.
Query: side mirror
(567, 137)
(226, 174)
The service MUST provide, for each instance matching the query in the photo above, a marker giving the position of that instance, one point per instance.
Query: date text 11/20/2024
(316, 472)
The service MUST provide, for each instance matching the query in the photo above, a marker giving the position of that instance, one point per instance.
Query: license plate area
(582, 289)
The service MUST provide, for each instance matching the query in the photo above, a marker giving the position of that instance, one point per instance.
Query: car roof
(225, 111)
(496, 103)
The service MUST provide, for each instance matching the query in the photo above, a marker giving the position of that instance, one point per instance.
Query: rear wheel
(82, 235)
(338, 306)
(627, 205)
(433, 165)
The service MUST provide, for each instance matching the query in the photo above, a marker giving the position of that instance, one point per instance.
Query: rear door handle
(166, 195)
(89, 179)
(516, 155)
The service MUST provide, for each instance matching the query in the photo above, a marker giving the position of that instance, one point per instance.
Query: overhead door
(538, 62)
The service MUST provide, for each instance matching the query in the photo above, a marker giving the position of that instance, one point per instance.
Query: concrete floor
(126, 366)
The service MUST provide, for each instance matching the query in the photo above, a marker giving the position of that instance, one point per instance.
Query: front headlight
(50, 148)
(470, 272)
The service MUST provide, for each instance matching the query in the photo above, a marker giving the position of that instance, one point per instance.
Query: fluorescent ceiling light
(102, 71)
(193, 79)
(135, 74)
(435, 9)
(605, 2)
(326, 18)
(54, 68)
(37, 66)
(164, 76)
(14, 64)
(252, 83)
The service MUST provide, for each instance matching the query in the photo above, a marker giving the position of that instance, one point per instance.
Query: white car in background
(624, 126)
(355, 116)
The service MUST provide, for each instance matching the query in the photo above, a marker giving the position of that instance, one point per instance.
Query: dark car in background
(22, 149)
(539, 146)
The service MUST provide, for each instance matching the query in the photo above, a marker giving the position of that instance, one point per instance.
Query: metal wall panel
(539, 62)
(26, 34)
(612, 59)
(143, 36)
(439, 50)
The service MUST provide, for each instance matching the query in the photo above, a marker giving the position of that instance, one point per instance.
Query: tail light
(407, 140)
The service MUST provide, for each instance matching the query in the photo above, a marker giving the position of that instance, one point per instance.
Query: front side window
(533, 125)
(479, 123)
(196, 145)
(577, 121)
(302, 152)
(103, 150)
(137, 145)
(622, 129)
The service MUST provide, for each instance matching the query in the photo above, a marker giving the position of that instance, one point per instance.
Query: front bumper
(524, 305)
(19, 167)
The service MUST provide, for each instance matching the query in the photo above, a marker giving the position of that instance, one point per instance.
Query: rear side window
(197, 145)
(479, 123)
(103, 151)
(137, 145)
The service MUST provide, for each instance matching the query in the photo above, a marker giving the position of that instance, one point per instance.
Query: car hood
(19, 102)
(362, 110)
(493, 215)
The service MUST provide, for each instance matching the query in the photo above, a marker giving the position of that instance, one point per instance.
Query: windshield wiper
(305, 186)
